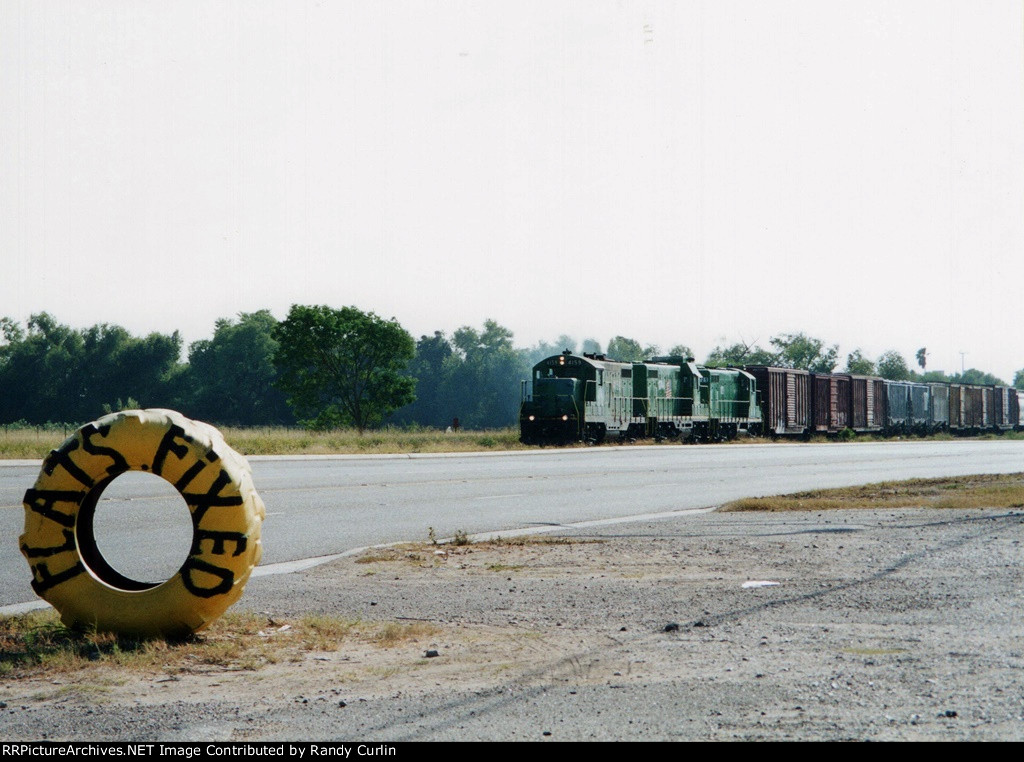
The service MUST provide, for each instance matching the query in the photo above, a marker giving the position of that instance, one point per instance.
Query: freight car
(589, 398)
(908, 407)
(973, 409)
(939, 414)
(796, 403)
(785, 399)
(847, 401)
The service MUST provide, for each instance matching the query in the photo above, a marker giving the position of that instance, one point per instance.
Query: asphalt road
(324, 505)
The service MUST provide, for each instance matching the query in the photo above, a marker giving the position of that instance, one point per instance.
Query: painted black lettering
(189, 475)
(169, 444)
(42, 580)
(200, 502)
(219, 538)
(42, 501)
(226, 576)
(69, 544)
(62, 457)
(119, 464)
(195, 470)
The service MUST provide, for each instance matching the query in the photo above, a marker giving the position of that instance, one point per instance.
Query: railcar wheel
(68, 569)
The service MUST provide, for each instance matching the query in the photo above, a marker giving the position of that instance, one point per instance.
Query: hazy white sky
(671, 171)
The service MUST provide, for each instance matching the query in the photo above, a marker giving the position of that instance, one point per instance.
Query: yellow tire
(70, 573)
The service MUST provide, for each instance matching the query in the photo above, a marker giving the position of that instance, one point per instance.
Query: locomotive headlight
(565, 418)
(532, 417)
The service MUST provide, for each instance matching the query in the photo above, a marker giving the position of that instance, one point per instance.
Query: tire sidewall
(214, 481)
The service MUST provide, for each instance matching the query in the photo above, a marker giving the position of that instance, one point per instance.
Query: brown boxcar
(956, 407)
(881, 410)
(785, 398)
(969, 408)
(830, 403)
(988, 396)
(974, 408)
(867, 403)
(1004, 415)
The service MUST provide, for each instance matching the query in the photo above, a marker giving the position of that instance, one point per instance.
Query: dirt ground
(882, 625)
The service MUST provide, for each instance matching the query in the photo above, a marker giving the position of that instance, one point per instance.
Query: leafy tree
(859, 364)
(114, 367)
(343, 367)
(1018, 379)
(51, 372)
(975, 376)
(39, 372)
(483, 376)
(544, 349)
(566, 342)
(153, 367)
(433, 405)
(11, 331)
(892, 366)
(231, 376)
(922, 357)
(680, 350)
(740, 353)
(625, 350)
(797, 350)
(591, 346)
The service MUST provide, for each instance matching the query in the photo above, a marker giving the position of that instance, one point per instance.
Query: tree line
(325, 368)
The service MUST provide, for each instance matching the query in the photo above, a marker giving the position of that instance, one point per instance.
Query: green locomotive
(590, 398)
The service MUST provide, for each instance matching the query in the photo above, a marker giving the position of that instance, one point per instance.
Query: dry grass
(391, 634)
(37, 643)
(274, 441)
(32, 442)
(981, 491)
(431, 554)
(538, 539)
(421, 555)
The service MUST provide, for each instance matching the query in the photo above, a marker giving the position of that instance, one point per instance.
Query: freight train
(590, 398)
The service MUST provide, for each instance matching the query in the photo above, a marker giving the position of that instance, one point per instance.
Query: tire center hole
(141, 531)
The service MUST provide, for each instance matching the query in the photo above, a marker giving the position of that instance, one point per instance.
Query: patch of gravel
(884, 625)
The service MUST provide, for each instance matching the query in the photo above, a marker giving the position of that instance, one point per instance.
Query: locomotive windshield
(554, 387)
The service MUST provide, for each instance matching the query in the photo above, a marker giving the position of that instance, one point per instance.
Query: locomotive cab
(554, 412)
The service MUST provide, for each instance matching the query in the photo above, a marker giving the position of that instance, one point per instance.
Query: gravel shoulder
(884, 625)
